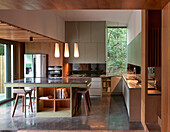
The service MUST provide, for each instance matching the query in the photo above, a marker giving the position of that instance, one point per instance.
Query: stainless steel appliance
(35, 65)
(55, 71)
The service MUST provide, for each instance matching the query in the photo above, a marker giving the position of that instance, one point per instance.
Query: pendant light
(76, 50)
(66, 50)
(57, 50)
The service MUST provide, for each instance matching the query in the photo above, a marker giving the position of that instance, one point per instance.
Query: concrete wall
(40, 21)
(134, 39)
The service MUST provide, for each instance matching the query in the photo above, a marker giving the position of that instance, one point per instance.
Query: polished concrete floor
(108, 113)
(2, 96)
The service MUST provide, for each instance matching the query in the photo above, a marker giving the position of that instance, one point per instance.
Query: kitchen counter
(154, 92)
(49, 82)
(62, 93)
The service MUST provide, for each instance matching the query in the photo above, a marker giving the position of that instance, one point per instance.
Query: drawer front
(96, 85)
(95, 91)
(96, 79)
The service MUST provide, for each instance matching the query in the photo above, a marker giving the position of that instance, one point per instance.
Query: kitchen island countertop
(49, 82)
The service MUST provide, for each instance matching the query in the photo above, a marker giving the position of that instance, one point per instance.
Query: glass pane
(2, 71)
(116, 50)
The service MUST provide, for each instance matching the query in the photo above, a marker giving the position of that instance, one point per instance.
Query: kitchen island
(48, 102)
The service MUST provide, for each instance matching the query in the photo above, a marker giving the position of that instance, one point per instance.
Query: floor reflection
(108, 113)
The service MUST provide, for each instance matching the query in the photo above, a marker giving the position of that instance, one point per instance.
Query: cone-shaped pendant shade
(66, 50)
(57, 50)
(76, 50)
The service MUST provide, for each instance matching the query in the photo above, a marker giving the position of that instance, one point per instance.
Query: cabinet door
(71, 50)
(98, 32)
(101, 53)
(84, 31)
(91, 53)
(72, 31)
(81, 57)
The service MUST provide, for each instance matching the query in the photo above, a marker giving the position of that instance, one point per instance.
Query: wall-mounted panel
(134, 51)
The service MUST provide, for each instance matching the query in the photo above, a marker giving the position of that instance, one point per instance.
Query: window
(6, 66)
(2, 71)
(116, 51)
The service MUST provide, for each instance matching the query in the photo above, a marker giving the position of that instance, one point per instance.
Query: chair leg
(85, 104)
(25, 104)
(22, 103)
(30, 101)
(15, 105)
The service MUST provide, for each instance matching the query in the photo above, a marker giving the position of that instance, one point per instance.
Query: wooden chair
(22, 93)
(86, 99)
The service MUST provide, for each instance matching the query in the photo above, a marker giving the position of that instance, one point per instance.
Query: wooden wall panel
(45, 48)
(19, 60)
(165, 72)
(144, 67)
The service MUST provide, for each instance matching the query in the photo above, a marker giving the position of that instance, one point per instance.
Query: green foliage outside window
(1, 49)
(116, 51)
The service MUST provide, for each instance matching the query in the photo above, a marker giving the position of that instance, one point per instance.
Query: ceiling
(116, 17)
(82, 4)
(11, 32)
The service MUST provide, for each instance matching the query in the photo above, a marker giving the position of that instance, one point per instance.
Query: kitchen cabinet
(95, 88)
(98, 32)
(84, 32)
(91, 53)
(132, 98)
(101, 58)
(91, 41)
(71, 32)
(81, 57)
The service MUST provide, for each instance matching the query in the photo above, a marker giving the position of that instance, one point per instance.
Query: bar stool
(22, 93)
(86, 99)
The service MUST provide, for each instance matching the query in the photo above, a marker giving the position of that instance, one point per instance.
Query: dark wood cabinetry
(154, 38)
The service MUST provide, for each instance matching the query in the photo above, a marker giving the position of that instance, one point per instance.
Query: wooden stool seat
(22, 93)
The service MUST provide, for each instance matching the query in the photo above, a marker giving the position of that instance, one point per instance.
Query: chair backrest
(19, 90)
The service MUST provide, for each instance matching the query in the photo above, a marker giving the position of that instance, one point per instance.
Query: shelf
(46, 99)
(67, 99)
(46, 110)
(61, 112)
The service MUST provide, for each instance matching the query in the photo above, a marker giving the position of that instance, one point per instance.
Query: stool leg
(79, 99)
(85, 105)
(89, 97)
(25, 104)
(15, 105)
(22, 103)
(76, 106)
(87, 100)
(34, 96)
(30, 101)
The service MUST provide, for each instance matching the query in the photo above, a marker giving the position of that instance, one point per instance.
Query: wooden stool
(22, 93)
(86, 99)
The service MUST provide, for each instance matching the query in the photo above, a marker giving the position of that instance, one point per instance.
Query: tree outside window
(116, 51)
